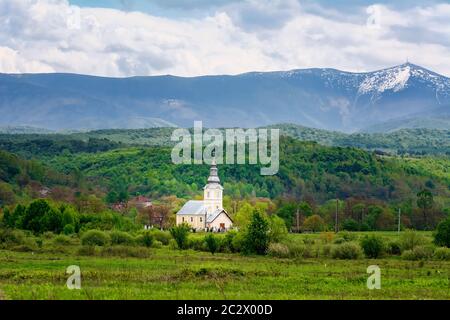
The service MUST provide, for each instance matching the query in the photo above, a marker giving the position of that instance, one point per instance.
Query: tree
(180, 234)
(277, 229)
(372, 246)
(314, 223)
(350, 225)
(212, 243)
(256, 238)
(34, 215)
(442, 236)
(425, 203)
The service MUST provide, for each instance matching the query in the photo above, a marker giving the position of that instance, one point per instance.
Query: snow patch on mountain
(395, 79)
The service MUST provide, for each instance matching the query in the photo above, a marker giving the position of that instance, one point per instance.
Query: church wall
(195, 221)
(222, 218)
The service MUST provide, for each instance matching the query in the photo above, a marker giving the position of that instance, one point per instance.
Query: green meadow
(169, 273)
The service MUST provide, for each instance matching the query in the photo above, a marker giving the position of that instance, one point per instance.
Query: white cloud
(52, 36)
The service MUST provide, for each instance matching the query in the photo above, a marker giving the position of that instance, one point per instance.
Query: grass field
(174, 274)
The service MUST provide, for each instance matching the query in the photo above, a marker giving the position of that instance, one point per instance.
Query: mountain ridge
(323, 98)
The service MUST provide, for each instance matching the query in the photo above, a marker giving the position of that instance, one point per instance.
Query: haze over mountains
(405, 96)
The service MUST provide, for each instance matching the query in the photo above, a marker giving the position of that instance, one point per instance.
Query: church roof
(193, 207)
(215, 214)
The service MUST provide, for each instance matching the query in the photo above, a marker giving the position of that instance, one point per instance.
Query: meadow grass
(174, 274)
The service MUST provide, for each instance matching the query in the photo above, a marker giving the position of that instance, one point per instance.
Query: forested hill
(307, 169)
(402, 142)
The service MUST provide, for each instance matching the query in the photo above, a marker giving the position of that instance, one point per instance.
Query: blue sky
(196, 37)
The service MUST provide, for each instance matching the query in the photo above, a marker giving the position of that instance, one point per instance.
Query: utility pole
(336, 228)
(298, 221)
(399, 220)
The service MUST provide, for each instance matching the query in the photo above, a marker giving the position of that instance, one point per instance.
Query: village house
(207, 214)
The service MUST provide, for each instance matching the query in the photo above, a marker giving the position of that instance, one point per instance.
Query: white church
(207, 214)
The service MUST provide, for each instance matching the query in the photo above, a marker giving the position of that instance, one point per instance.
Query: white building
(207, 213)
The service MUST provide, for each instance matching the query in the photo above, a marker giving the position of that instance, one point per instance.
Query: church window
(182, 219)
(192, 219)
(201, 219)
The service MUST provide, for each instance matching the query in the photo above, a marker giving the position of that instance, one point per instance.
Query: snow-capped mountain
(321, 98)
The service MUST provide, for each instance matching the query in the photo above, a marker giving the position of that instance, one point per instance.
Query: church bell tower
(213, 191)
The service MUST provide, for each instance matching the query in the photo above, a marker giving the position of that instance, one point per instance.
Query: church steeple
(212, 196)
(213, 173)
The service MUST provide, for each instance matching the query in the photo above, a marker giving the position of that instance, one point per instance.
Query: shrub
(162, 236)
(314, 223)
(94, 238)
(197, 244)
(394, 248)
(61, 240)
(69, 229)
(256, 239)
(327, 237)
(157, 244)
(300, 251)
(212, 243)
(277, 229)
(418, 253)
(442, 235)
(173, 244)
(442, 254)
(87, 251)
(278, 250)
(121, 238)
(11, 237)
(326, 250)
(348, 236)
(411, 239)
(180, 235)
(147, 239)
(227, 241)
(347, 251)
(372, 246)
(125, 251)
(350, 225)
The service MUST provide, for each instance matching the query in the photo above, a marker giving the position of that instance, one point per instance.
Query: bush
(173, 244)
(69, 229)
(350, 225)
(227, 242)
(180, 235)
(326, 250)
(348, 236)
(372, 246)
(327, 237)
(157, 244)
(125, 251)
(162, 236)
(94, 238)
(61, 240)
(393, 248)
(197, 244)
(278, 250)
(411, 239)
(442, 235)
(87, 251)
(346, 251)
(314, 223)
(121, 238)
(11, 237)
(300, 251)
(418, 253)
(256, 239)
(442, 254)
(212, 243)
(147, 239)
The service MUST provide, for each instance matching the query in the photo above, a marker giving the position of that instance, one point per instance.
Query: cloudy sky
(196, 37)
